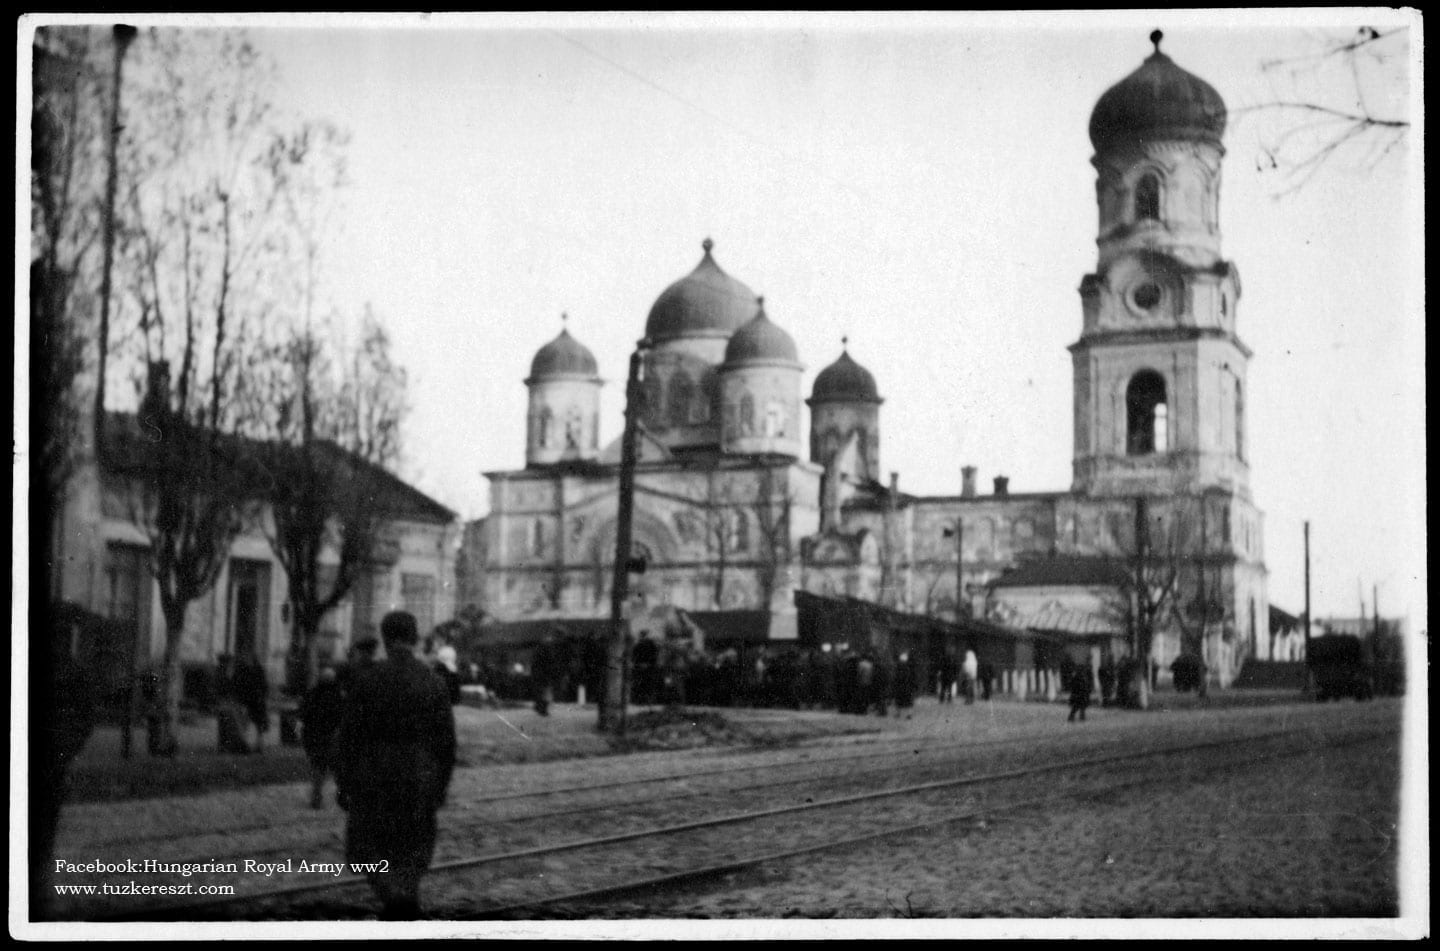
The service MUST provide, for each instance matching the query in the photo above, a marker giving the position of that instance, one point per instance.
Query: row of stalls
(1020, 661)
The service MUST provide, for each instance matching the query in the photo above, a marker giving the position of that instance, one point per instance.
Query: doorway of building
(249, 609)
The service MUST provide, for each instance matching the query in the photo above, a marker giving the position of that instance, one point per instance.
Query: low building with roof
(103, 555)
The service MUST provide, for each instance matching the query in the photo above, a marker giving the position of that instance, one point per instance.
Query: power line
(715, 117)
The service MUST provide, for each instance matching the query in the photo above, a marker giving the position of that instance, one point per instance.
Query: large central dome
(705, 303)
(1157, 101)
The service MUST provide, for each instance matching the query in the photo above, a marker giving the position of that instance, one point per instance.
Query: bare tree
(1163, 582)
(329, 431)
(1347, 100)
(198, 245)
(66, 190)
(726, 531)
(771, 509)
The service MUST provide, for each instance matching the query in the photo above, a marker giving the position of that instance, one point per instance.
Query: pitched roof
(129, 448)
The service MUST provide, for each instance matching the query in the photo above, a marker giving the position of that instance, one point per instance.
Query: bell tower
(1159, 372)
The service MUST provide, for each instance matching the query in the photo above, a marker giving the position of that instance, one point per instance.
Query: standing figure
(320, 714)
(395, 754)
(447, 667)
(1079, 692)
(904, 685)
(949, 673)
(644, 661)
(544, 670)
(229, 712)
(883, 686)
(864, 684)
(971, 670)
(252, 690)
(987, 679)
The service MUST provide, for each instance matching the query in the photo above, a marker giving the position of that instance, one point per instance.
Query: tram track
(273, 902)
(903, 748)
(816, 770)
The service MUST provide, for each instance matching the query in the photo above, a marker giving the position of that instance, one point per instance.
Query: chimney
(967, 482)
(894, 483)
(1002, 485)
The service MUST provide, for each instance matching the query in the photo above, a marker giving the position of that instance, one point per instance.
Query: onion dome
(760, 341)
(845, 381)
(1157, 101)
(705, 303)
(563, 357)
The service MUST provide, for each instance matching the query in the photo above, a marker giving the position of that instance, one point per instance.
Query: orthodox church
(735, 510)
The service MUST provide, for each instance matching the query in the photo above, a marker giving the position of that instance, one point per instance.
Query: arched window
(1239, 421)
(1147, 197)
(774, 422)
(740, 532)
(574, 428)
(682, 392)
(1146, 413)
(537, 538)
(654, 400)
(747, 415)
(547, 423)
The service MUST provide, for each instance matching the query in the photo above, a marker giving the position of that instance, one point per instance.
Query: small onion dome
(845, 381)
(563, 357)
(1157, 101)
(705, 303)
(760, 341)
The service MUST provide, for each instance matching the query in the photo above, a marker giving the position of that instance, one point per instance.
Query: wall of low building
(107, 571)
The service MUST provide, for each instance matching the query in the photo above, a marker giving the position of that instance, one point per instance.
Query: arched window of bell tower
(547, 423)
(1147, 414)
(1239, 421)
(1147, 197)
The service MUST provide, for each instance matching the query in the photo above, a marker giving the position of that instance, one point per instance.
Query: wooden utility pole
(139, 646)
(612, 704)
(123, 36)
(1307, 590)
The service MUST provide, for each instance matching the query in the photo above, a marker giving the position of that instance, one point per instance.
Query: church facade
(735, 510)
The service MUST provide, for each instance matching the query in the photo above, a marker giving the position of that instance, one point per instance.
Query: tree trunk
(164, 710)
(303, 670)
(1142, 686)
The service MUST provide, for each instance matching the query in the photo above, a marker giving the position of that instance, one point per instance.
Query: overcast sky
(922, 184)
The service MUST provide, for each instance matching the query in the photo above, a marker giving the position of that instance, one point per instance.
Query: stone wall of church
(713, 537)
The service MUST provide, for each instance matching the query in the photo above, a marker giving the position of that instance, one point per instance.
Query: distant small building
(1287, 636)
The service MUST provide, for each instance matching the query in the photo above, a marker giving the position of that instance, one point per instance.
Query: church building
(736, 510)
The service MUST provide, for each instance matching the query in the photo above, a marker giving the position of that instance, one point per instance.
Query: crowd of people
(832, 677)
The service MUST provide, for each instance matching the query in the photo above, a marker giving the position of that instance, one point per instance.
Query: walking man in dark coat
(395, 754)
(1079, 692)
(320, 714)
(252, 689)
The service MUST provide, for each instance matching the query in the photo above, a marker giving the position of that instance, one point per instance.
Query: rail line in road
(896, 747)
(274, 903)
(813, 769)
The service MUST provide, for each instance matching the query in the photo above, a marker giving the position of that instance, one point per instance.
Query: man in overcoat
(395, 754)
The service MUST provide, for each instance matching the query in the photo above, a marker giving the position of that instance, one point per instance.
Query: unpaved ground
(1310, 836)
(1295, 838)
